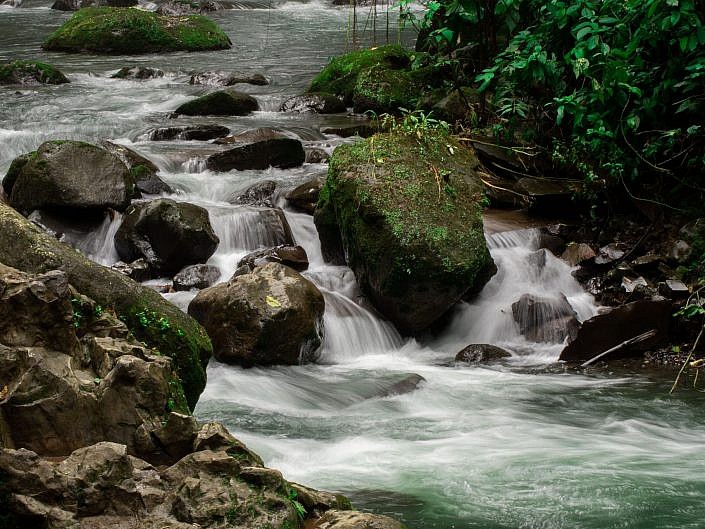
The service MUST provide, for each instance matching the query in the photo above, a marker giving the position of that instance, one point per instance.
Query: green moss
(134, 31)
(141, 172)
(381, 90)
(184, 346)
(17, 71)
(341, 74)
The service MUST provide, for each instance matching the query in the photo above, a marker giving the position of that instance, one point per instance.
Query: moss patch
(133, 31)
(409, 213)
(30, 72)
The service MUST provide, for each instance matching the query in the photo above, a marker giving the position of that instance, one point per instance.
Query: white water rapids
(517, 444)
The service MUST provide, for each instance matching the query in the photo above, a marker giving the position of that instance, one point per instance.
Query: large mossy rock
(270, 316)
(221, 103)
(30, 73)
(116, 30)
(69, 175)
(169, 235)
(408, 215)
(151, 318)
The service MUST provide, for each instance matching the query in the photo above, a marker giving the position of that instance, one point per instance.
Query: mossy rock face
(151, 318)
(381, 90)
(30, 73)
(409, 216)
(221, 103)
(114, 30)
(340, 76)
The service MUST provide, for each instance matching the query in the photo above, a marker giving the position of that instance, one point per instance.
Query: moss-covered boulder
(221, 103)
(341, 74)
(134, 31)
(408, 213)
(152, 319)
(272, 315)
(69, 175)
(30, 73)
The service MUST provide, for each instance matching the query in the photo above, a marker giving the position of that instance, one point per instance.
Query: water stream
(521, 443)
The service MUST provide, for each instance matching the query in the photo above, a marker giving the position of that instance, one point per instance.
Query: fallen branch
(631, 341)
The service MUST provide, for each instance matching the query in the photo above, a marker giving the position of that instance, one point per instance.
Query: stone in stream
(481, 352)
(179, 8)
(220, 78)
(265, 227)
(69, 175)
(320, 103)
(75, 5)
(292, 256)
(407, 384)
(578, 253)
(364, 130)
(139, 73)
(251, 136)
(616, 325)
(138, 270)
(317, 155)
(198, 276)
(413, 237)
(143, 170)
(221, 103)
(169, 235)
(30, 73)
(356, 520)
(260, 194)
(543, 319)
(117, 30)
(283, 153)
(270, 316)
(305, 196)
(191, 132)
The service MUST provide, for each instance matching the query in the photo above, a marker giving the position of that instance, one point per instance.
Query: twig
(690, 355)
(631, 341)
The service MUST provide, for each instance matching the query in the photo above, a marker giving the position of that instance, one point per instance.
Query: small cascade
(99, 245)
(195, 164)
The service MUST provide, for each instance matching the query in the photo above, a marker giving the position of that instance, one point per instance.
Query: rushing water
(521, 443)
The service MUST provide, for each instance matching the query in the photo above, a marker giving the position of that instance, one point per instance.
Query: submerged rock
(276, 152)
(481, 352)
(321, 103)
(543, 319)
(260, 194)
(292, 256)
(611, 328)
(137, 72)
(270, 316)
(134, 31)
(198, 276)
(412, 235)
(191, 132)
(69, 175)
(169, 235)
(222, 103)
(227, 78)
(150, 317)
(30, 73)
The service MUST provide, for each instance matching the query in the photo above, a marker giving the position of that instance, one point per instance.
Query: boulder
(221, 103)
(364, 130)
(616, 325)
(143, 170)
(260, 194)
(169, 235)
(321, 103)
(578, 253)
(139, 73)
(335, 519)
(481, 352)
(179, 8)
(138, 270)
(134, 31)
(384, 91)
(316, 155)
(292, 256)
(305, 197)
(270, 316)
(317, 502)
(198, 276)
(413, 236)
(192, 132)
(544, 319)
(251, 136)
(151, 318)
(30, 73)
(227, 78)
(69, 175)
(283, 153)
(71, 372)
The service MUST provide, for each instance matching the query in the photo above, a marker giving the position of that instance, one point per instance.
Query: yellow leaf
(272, 302)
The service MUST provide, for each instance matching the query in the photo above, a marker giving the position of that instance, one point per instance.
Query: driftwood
(625, 343)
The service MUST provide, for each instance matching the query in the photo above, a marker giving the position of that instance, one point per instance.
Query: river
(520, 444)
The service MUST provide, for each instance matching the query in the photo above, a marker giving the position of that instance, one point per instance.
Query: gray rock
(335, 519)
(139, 73)
(320, 103)
(198, 276)
(305, 197)
(364, 130)
(481, 352)
(292, 256)
(543, 319)
(283, 153)
(316, 155)
(143, 170)
(191, 132)
(270, 316)
(227, 78)
(138, 270)
(260, 194)
(221, 103)
(576, 254)
(178, 8)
